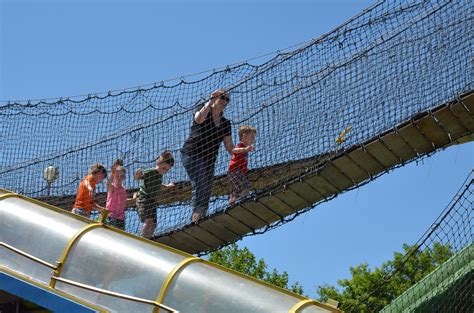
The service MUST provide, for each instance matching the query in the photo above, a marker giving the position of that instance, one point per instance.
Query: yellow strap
(68, 248)
(341, 139)
(179, 267)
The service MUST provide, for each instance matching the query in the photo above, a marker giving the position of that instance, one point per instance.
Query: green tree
(244, 261)
(369, 290)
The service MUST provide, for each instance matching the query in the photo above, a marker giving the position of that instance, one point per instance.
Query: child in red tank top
(237, 174)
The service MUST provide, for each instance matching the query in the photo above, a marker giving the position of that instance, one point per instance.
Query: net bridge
(388, 87)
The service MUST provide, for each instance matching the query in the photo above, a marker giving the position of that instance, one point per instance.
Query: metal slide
(106, 270)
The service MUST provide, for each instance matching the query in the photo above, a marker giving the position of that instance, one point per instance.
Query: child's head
(247, 134)
(120, 173)
(98, 172)
(165, 162)
(118, 162)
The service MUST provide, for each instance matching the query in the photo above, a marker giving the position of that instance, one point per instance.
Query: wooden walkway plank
(262, 211)
(219, 230)
(232, 223)
(307, 192)
(416, 140)
(241, 213)
(351, 168)
(399, 147)
(206, 237)
(383, 155)
(433, 131)
(366, 162)
(276, 205)
(321, 185)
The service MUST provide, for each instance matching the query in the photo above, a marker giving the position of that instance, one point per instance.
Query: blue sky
(53, 49)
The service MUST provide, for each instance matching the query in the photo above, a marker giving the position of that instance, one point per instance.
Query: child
(237, 174)
(117, 200)
(85, 201)
(110, 179)
(150, 185)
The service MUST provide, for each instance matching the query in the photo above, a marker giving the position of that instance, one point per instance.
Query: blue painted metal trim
(40, 296)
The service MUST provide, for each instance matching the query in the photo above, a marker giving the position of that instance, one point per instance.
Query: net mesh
(377, 70)
(448, 287)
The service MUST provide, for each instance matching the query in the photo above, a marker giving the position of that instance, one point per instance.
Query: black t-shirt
(205, 138)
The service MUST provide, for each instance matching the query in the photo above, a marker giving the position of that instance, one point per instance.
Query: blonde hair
(246, 129)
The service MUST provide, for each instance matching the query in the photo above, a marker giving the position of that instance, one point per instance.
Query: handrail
(114, 294)
(29, 256)
(84, 286)
(43, 286)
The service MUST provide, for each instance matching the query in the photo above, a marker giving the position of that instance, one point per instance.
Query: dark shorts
(146, 209)
(238, 182)
(120, 224)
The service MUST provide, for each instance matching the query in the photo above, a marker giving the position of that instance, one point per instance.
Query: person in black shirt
(200, 150)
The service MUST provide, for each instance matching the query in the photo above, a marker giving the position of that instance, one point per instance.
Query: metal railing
(85, 286)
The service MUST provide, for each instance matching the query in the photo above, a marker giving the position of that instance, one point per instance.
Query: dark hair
(118, 162)
(166, 157)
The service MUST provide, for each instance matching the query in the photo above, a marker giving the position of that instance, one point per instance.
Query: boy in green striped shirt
(151, 187)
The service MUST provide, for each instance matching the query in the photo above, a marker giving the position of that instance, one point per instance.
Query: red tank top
(239, 160)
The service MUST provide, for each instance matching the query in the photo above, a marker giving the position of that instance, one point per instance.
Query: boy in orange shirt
(85, 201)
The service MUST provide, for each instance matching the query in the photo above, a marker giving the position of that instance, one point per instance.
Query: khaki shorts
(146, 209)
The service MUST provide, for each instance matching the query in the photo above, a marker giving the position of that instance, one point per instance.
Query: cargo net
(433, 275)
(377, 70)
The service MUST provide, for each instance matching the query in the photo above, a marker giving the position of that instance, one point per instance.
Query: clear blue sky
(64, 48)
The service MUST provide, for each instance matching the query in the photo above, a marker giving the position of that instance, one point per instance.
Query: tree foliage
(244, 261)
(369, 290)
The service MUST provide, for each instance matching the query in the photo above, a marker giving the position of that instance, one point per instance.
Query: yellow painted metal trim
(255, 280)
(114, 294)
(55, 291)
(8, 195)
(52, 207)
(68, 248)
(148, 241)
(179, 267)
(165, 247)
(304, 303)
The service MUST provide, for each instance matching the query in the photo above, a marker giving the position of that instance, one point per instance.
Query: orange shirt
(85, 194)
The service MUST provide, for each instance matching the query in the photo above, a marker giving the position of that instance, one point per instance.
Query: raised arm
(200, 116)
(110, 185)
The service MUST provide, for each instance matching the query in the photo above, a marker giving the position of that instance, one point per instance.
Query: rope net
(377, 70)
(439, 266)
